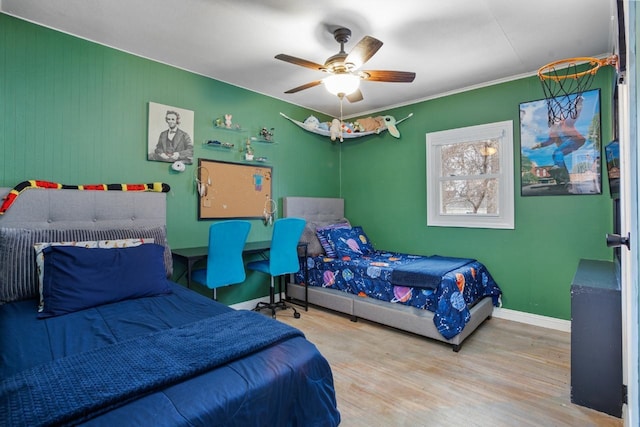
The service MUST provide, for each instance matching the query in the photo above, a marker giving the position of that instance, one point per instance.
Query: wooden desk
(192, 255)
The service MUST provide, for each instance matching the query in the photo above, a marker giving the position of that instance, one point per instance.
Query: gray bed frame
(406, 318)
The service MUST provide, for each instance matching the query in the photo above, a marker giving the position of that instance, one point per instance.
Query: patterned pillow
(350, 242)
(88, 244)
(18, 275)
(323, 236)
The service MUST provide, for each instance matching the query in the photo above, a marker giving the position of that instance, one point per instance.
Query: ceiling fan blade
(299, 61)
(363, 51)
(355, 96)
(304, 86)
(388, 76)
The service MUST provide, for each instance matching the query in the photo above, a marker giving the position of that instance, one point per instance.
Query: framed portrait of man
(170, 136)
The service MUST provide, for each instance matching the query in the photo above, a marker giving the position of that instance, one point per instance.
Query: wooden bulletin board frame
(233, 190)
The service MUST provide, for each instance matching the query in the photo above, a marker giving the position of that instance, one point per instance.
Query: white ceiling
(450, 44)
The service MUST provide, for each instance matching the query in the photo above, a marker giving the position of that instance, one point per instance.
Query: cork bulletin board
(232, 190)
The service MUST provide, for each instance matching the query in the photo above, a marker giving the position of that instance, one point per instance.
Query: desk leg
(190, 264)
(306, 283)
(272, 297)
(306, 278)
(292, 278)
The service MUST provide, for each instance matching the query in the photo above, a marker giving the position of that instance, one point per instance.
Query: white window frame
(501, 131)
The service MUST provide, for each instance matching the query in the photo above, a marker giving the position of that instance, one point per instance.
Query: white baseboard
(532, 319)
(499, 313)
(249, 305)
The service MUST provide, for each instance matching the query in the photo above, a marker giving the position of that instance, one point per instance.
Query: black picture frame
(563, 158)
(612, 158)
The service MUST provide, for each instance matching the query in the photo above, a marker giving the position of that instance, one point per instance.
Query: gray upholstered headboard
(314, 209)
(84, 209)
(318, 211)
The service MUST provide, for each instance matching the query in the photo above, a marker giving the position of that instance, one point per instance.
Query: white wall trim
(532, 319)
(249, 305)
(499, 313)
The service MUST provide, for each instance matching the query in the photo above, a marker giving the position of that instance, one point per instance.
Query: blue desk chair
(225, 265)
(283, 259)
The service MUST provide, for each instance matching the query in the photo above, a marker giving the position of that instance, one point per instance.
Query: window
(470, 177)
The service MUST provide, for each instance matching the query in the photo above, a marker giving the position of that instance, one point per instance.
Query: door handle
(616, 240)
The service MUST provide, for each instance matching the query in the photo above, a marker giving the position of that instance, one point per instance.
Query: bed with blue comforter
(440, 297)
(93, 332)
(448, 287)
(175, 359)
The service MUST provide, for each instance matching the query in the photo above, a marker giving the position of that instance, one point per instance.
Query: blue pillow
(76, 278)
(351, 242)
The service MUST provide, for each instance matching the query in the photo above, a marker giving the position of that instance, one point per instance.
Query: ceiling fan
(343, 68)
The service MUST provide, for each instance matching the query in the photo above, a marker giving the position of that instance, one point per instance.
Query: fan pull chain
(341, 96)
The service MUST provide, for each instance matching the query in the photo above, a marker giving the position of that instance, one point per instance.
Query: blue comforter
(282, 377)
(133, 367)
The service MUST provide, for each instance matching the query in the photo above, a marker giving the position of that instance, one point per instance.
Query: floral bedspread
(369, 276)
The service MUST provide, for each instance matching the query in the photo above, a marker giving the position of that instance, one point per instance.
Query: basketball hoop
(563, 84)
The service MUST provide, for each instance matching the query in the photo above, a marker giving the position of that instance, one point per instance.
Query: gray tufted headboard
(84, 209)
(314, 209)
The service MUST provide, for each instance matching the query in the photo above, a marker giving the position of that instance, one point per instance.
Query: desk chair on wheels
(283, 259)
(225, 265)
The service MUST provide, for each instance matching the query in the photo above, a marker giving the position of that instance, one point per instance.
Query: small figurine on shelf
(227, 120)
(218, 122)
(248, 152)
(266, 134)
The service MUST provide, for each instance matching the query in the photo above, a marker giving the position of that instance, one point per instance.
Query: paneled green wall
(384, 185)
(75, 112)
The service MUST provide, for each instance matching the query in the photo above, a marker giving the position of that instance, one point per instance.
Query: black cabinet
(596, 337)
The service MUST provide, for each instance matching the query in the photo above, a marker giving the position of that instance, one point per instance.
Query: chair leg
(272, 298)
(281, 303)
(274, 305)
(271, 305)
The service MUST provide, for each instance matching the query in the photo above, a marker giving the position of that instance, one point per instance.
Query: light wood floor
(506, 374)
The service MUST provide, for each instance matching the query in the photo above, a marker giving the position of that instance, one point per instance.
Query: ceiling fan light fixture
(344, 84)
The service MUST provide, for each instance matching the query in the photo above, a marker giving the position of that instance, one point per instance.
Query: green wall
(384, 186)
(76, 112)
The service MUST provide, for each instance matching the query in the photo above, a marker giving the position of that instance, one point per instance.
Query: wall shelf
(231, 129)
(262, 140)
(257, 161)
(219, 145)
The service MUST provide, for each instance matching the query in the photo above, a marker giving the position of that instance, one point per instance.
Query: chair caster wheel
(296, 315)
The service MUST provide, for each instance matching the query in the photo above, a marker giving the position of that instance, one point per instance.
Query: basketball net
(563, 84)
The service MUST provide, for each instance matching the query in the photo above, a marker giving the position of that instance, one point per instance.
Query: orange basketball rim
(550, 71)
